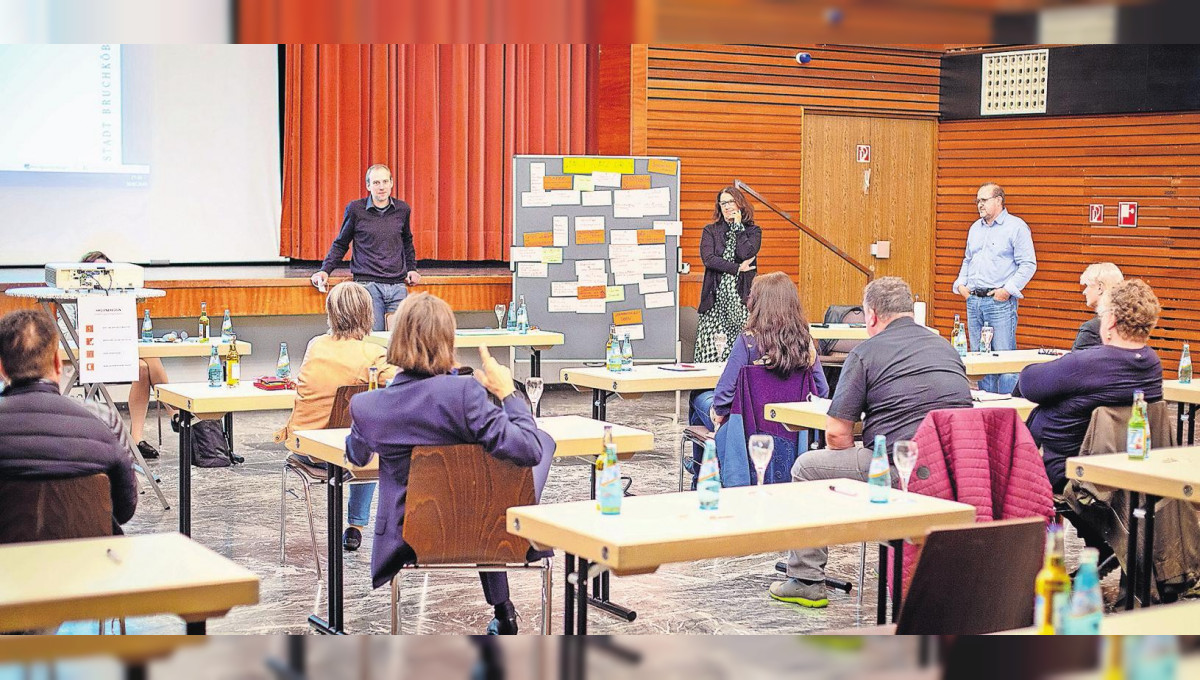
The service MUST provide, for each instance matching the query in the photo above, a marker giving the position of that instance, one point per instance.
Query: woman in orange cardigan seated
(340, 357)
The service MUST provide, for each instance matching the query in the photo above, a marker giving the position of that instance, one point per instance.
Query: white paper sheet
(594, 198)
(652, 252)
(606, 179)
(589, 266)
(653, 286)
(626, 267)
(656, 300)
(590, 306)
(560, 231)
(108, 331)
(624, 237)
(627, 279)
(672, 228)
(563, 197)
(564, 288)
(537, 173)
(636, 331)
(642, 202)
(589, 223)
(653, 266)
(531, 270)
(523, 254)
(535, 199)
(619, 252)
(593, 278)
(561, 304)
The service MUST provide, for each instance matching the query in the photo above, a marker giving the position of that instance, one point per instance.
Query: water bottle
(1137, 435)
(216, 375)
(626, 354)
(1151, 657)
(959, 338)
(985, 338)
(522, 317)
(226, 328)
(1185, 365)
(612, 352)
(1086, 606)
(512, 317)
(610, 492)
(283, 367)
(879, 475)
(709, 485)
(147, 327)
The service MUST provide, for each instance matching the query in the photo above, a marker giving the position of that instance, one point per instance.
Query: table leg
(136, 671)
(582, 604)
(1179, 420)
(1148, 550)
(569, 599)
(600, 404)
(197, 627)
(881, 600)
(185, 472)
(535, 362)
(229, 431)
(294, 666)
(1192, 423)
(898, 570)
(333, 560)
(1131, 560)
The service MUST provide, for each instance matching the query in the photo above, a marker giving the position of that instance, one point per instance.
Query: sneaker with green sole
(798, 592)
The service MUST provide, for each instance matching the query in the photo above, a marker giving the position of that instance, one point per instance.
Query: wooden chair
(455, 517)
(975, 579)
(311, 475)
(55, 509)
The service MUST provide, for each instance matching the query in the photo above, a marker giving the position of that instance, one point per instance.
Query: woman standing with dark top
(728, 248)
(1068, 389)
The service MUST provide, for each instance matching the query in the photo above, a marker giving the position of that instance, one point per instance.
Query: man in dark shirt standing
(892, 380)
(384, 259)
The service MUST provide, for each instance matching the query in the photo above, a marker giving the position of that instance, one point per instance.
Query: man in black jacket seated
(46, 435)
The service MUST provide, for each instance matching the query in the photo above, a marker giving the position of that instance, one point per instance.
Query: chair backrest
(975, 579)
(458, 496)
(1107, 428)
(841, 314)
(339, 415)
(55, 509)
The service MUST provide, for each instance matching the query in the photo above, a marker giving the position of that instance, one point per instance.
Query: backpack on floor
(209, 447)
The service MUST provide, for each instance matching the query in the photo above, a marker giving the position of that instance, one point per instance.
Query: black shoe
(351, 539)
(175, 423)
(147, 450)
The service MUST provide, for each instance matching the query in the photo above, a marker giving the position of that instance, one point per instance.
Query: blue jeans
(1002, 316)
(700, 416)
(385, 298)
(358, 507)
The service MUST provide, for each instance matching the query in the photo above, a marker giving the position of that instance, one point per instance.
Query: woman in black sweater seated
(1069, 388)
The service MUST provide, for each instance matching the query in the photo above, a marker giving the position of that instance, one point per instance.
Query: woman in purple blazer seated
(428, 404)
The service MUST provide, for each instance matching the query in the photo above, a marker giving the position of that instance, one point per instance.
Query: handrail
(742, 186)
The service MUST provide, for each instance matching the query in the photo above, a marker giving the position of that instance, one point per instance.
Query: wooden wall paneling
(1052, 168)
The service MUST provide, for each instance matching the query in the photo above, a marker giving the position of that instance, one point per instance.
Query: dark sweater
(712, 250)
(1069, 388)
(1089, 335)
(383, 242)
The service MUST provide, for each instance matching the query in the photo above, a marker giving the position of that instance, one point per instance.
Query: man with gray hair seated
(891, 381)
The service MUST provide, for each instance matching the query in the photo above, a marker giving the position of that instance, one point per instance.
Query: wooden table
(573, 436)
(535, 340)
(1168, 473)
(1006, 361)
(134, 651)
(47, 583)
(207, 403)
(665, 528)
(1177, 618)
(638, 381)
(1188, 398)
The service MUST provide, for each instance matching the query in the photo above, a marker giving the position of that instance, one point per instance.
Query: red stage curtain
(446, 118)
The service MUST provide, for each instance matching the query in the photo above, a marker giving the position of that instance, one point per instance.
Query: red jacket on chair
(983, 457)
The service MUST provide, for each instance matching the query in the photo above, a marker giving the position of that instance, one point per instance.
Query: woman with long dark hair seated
(428, 404)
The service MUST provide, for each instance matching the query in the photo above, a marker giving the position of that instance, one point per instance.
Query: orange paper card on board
(627, 318)
(555, 182)
(661, 166)
(539, 239)
(635, 181)
(591, 292)
(649, 236)
(589, 237)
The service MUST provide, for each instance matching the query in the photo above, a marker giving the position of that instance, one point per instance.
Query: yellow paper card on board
(581, 165)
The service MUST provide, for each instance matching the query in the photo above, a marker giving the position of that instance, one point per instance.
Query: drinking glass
(761, 448)
(904, 455)
(720, 341)
(534, 387)
(500, 309)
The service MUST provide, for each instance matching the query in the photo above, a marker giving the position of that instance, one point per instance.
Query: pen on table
(112, 555)
(842, 491)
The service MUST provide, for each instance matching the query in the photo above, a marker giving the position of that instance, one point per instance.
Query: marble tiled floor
(236, 512)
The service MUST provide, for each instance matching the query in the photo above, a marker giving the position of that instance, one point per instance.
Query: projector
(94, 275)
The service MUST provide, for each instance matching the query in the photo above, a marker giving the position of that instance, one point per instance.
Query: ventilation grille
(1014, 83)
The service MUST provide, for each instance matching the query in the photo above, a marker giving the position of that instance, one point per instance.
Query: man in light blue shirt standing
(999, 262)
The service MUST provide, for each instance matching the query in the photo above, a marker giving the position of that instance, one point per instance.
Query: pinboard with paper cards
(596, 243)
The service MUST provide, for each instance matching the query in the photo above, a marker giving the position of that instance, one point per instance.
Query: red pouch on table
(270, 382)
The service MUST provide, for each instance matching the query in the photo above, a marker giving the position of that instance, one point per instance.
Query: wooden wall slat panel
(1052, 169)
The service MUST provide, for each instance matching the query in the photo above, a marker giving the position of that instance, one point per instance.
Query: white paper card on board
(626, 267)
(627, 279)
(652, 252)
(636, 331)
(590, 306)
(642, 202)
(594, 198)
(561, 304)
(108, 326)
(531, 270)
(656, 300)
(653, 266)
(535, 199)
(593, 278)
(522, 254)
(589, 223)
(537, 173)
(653, 286)
(588, 266)
(672, 228)
(560, 231)
(606, 179)
(564, 288)
(623, 237)
(582, 183)
(563, 197)
(623, 252)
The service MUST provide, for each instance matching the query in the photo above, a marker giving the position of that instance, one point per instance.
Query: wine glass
(533, 388)
(500, 309)
(904, 455)
(720, 341)
(761, 448)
